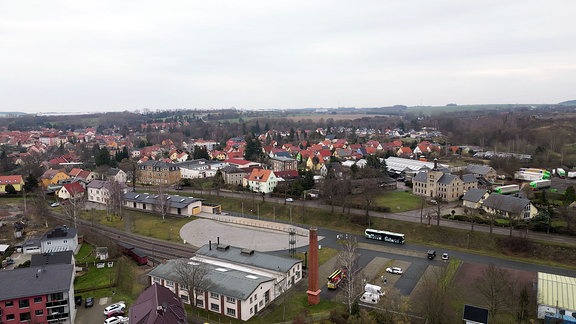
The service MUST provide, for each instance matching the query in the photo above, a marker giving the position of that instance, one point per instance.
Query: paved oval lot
(198, 232)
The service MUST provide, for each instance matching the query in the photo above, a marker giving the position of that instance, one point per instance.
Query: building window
(251, 310)
(214, 295)
(199, 303)
(157, 280)
(184, 298)
(37, 299)
(230, 312)
(65, 241)
(39, 312)
(214, 307)
(23, 303)
(25, 317)
(169, 283)
(231, 300)
(9, 317)
(250, 300)
(9, 303)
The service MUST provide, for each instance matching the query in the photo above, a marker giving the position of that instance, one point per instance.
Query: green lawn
(398, 201)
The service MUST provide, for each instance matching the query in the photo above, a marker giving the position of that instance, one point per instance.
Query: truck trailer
(540, 184)
(508, 189)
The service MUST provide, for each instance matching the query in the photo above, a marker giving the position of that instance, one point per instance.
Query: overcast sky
(126, 55)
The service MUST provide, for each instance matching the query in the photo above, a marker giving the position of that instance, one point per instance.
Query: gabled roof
(478, 169)
(506, 203)
(231, 282)
(474, 195)
(61, 257)
(36, 281)
(11, 179)
(260, 175)
(73, 188)
(447, 178)
(257, 259)
(469, 178)
(157, 304)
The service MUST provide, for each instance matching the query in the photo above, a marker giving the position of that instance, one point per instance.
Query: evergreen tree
(102, 157)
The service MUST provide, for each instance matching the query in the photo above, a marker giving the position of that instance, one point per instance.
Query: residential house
(61, 238)
(509, 206)
(261, 180)
(157, 304)
(334, 168)
(52, 177)
(240, 282)
(283, 163)
(71, 191)
(197, 169)
(43, 294)
(115, 174)
(484, 171)
(99, 190)
(84, 175)
(473, 198)
(177, 205)
(157, 173)
(15, 180)
(234, 176)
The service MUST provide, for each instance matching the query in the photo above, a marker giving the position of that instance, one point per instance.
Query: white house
(61, 238)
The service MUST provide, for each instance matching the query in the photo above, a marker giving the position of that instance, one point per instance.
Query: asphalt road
(415, 216)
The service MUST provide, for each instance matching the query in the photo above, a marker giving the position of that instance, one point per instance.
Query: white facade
(59, 239)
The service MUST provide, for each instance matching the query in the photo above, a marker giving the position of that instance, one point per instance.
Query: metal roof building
(556, 295)
(399, 165)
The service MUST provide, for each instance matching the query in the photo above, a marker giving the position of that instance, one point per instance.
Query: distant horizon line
(146, 110)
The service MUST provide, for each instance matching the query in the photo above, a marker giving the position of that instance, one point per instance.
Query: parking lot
(95, 314)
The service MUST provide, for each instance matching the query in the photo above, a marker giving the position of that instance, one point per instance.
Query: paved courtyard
(250, 234)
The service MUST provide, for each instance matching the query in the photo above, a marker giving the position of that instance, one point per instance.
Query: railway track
(157, 250)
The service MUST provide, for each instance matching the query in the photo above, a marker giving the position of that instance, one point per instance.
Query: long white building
(240, 282)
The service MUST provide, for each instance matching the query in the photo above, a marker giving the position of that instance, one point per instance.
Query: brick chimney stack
(313, 287)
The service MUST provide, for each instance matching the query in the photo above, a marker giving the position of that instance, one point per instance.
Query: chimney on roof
(210, 245)
(218, 240)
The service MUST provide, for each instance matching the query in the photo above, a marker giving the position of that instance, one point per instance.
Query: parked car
(89, 302)
(115, 309)
(289, 200)
(394, 270)
(445, 256)
(116, 320)
(9, 261)
(78, 300)
(177, 187)
(431, 254)
(55, 204)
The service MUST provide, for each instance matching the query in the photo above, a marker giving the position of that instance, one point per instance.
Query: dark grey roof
(35, 281)
(447, 178)
(474, 195)
(174, 201)
(506, 203)
(226, 281)
(478, 169)
(233, 169)
(420, 177)
(96, 184)
(59, 232)
(468, 178)
(257, 259)
(62, 257)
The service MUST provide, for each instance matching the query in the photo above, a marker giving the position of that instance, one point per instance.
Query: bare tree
(162, 202)
(115, 198)
(73, 206)
(494, 285)
(433, 299)
(347, 257)
(192, 277)
(40, 205)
